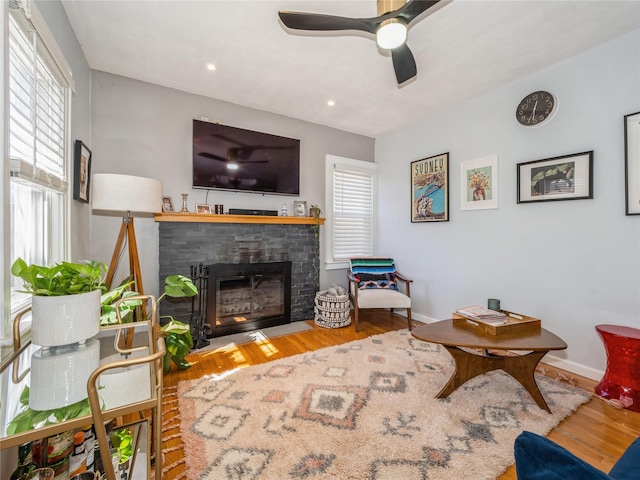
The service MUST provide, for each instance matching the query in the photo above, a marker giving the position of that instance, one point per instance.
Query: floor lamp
(128, 196)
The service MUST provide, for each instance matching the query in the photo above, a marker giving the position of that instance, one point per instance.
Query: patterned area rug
(362, 410)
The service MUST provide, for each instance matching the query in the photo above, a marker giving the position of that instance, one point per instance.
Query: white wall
(144, 129)
(573, 264)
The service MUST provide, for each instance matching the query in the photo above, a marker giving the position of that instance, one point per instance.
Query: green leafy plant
(63, 278)
(29, 419)
(177, 335)
(122, 440)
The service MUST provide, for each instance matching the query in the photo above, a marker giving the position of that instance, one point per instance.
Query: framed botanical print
(479, 183)
(430, 189)
(568, 177)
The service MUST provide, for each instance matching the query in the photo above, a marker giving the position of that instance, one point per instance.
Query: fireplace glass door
(248, 296)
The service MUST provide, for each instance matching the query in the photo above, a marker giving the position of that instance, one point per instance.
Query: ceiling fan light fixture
(391, 33)
(232, 166)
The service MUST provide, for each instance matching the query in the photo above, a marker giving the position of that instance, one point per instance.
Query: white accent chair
(373, 283)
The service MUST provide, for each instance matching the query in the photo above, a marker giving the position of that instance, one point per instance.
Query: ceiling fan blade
(410, 10)
(403, 63)
(317, 21)
(212, 156)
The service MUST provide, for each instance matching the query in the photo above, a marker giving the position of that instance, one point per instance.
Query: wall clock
(536, 109)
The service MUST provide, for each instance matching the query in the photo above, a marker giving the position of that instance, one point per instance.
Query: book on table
(482, 314)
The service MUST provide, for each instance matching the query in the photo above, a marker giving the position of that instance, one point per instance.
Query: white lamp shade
(125, 193)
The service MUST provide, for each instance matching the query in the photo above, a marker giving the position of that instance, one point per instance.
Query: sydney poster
(430, 189)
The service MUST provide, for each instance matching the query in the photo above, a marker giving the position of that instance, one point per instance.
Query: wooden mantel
(215, 218)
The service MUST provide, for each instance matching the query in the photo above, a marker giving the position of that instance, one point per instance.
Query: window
(38, 82)
(350, 209)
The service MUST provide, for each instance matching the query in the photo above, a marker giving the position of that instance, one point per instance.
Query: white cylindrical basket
(332, 311)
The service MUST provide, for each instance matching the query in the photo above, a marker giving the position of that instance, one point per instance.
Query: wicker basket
(332, 311)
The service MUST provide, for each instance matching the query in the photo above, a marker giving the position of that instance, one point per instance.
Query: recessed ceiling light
(212, 67)
(331, 103)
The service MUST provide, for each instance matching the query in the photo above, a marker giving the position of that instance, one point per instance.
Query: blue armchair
(538, 458)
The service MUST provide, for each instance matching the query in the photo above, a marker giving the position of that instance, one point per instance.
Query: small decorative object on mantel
(203, 208)
(167, 204)
(568, 177)
(300, 208)
(314, 211)
(185, 208)
(632, 163)
(283, 211)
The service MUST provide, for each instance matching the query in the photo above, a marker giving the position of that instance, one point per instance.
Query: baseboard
(549, 359)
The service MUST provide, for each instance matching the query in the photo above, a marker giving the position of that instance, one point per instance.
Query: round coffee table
(536, 342)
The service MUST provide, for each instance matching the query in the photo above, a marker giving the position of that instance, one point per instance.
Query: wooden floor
(597, 432)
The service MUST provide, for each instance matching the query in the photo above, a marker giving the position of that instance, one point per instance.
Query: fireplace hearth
(247, 296)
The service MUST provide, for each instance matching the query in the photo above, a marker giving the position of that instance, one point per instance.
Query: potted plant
(177, 335)
(65, 300)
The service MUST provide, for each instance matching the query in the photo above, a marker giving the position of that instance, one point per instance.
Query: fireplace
(247, 296)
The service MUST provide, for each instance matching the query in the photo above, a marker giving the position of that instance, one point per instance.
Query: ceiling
(462, 48)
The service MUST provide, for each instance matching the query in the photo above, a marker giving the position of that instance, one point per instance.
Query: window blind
(352, 219)
(37, 110)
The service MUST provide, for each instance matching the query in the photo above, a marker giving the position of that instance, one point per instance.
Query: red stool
(621, 380)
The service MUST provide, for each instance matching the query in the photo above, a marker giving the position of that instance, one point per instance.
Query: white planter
(63, 320)
(59, 374)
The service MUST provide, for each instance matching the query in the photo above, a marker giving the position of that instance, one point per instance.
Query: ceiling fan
(389, 27)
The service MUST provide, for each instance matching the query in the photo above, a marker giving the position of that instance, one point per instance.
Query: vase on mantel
(185, 209)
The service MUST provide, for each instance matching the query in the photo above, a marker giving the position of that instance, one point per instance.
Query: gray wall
(144, 129)
(56, 18)
(573, 264)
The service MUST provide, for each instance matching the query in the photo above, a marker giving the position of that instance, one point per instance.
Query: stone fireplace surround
(191, 239)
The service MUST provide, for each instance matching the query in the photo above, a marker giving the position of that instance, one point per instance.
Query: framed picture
(82, 171)
(569, 177)
(479, 183)
(632, 163)
(203, 208)
(167, 204)
(299, 209)
(430, 189)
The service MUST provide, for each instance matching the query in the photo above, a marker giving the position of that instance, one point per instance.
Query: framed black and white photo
(632, 163)
(568, 177)
(430, 189)
(82, 171)
(299, 209)
(479, 183)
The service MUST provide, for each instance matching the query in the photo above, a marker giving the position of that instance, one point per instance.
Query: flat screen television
(231, 158)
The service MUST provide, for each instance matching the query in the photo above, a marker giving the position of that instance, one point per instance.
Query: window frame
(332, 163)
(28, 18)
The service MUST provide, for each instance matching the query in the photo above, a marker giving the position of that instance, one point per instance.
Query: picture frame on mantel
(632, 163)
(300, 208)
(430, 189)
(167, 204)
(479, 183)
(568, 177)
(82, 171)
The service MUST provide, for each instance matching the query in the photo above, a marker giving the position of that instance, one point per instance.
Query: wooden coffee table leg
(469, 365)
(523, 368)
